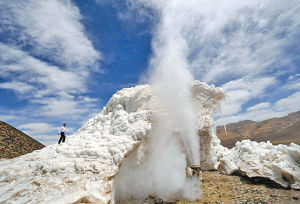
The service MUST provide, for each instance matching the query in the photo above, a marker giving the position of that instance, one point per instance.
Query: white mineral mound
(279, 163)
(86, 166)
(125, 152)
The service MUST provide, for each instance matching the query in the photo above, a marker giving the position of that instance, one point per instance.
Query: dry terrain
(219, 188)
(276, 130)
(14, 143)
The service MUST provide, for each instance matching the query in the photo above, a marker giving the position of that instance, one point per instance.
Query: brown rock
(276, 130)
(14, 143)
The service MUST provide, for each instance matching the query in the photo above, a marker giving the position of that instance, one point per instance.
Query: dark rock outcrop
(14, 143)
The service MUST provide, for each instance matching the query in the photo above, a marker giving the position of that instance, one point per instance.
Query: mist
(158, 165)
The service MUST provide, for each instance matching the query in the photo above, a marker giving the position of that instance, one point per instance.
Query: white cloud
(291, 103)
(18, 64)
(239, 38)
(62, 107)
(52, 28)
(263, 111)
(47, 59)
(239, 45)
(6, 117)
(256, 115)
(47, 139)
(233, 38)
(45, 133)
(293, 86)
(242, 90)
(258, 107)
(53, 138)
(293, 82)
(16, 86)
(253, 85)
(42, 130)
(56, 90)
(37, 128)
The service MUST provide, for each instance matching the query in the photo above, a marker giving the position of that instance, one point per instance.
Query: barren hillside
(276, 130)
(14, 142)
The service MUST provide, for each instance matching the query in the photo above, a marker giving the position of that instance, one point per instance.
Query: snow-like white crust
(205, 99)
(279, 163)
(155, 160)
(86, 165)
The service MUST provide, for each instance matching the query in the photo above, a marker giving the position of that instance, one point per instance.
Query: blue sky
(61, 60)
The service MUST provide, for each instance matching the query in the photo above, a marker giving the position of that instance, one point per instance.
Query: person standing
(62, 132)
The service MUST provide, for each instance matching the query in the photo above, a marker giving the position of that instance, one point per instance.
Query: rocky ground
(14, 143)
(218, 188)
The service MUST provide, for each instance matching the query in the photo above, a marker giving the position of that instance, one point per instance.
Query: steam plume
(174, 143)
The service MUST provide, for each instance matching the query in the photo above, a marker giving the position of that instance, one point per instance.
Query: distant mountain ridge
(282, 130)
(14, 143)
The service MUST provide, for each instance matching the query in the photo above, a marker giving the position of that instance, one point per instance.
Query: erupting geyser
(133, 148)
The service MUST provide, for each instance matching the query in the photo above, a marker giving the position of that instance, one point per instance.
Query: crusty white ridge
(92, 162)
(82, 166)
(279, 163)
(158, 164)
(85, 166)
